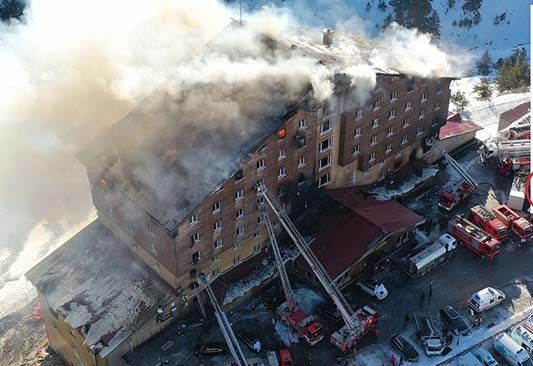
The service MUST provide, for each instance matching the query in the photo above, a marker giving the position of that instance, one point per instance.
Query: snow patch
(285, 333)
(385, 194)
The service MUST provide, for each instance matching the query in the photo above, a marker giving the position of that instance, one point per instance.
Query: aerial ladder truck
(296, 319)
(225, 326)
(358, 323)
(462, 191)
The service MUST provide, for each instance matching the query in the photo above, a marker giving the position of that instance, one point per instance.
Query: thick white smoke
(74, 67)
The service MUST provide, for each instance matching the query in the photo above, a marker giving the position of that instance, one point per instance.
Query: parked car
(485, 357)
(454, 320)
(405, 348)
(210, 348)
(250, 341)
(379, 291)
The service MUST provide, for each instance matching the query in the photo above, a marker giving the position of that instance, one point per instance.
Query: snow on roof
(99, 287)
(456, 125)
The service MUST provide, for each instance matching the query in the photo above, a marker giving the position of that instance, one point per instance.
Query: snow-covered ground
(384, 193)
(486, 113)
(350, 15)
(495, 321)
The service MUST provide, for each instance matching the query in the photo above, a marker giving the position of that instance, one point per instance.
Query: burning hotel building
(182, 196)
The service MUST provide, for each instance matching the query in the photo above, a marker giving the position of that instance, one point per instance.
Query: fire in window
(282, 133)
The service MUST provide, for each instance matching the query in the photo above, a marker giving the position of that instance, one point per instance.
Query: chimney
(327, 37)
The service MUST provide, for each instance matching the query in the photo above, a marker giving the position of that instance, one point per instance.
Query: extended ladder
(331, 289)
(225, 326)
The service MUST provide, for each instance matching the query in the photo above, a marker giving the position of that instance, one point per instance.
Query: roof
(168, 161)
(516, 113)
(347, 231)
(388, 216)
(99, 287)
(456, 125)
(346, 239)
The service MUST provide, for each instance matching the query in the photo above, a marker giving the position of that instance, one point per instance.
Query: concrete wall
(449, 144)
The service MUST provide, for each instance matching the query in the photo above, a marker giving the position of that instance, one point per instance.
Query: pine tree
(11, 9)
(514, 71)
(484, 65)
(421, 15)
(399, 6)
(387, 21)
(382, 6)
(483, 89)
(459, 99)
(368, 6)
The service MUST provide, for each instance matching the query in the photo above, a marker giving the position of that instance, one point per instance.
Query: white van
(486, 299)
(511, 351)
(523, 337)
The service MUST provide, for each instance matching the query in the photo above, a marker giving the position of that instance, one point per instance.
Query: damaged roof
(99, 287)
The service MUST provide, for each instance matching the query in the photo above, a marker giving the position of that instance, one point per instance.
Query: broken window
(325, 126)
(299, 141)
(410, 85)
(218, 243)
(192, 273)
(359, 114)
(301, 178)
(282, 133)
(238, 175)
(196, 257)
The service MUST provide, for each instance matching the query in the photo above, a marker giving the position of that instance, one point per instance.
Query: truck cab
(486, 220)
(516, 223)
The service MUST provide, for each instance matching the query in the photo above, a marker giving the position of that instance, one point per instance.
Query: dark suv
(454, 320)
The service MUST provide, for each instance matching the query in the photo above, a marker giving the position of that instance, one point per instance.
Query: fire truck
(462, 191)
(357, 323)
(486, 220)
(516, 223)
(509, 156)
(474, 238)
(296, 319)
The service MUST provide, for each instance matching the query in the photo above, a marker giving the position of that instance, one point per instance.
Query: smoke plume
(72, 68)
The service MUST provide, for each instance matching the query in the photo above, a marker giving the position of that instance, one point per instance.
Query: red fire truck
(462, 191)
(474, 238)
(488, 222)
(516, 223)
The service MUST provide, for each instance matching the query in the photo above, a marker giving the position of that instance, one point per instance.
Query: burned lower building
(175, 180)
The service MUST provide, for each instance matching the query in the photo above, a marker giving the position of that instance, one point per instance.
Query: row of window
(388, 148)
(376, 105)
